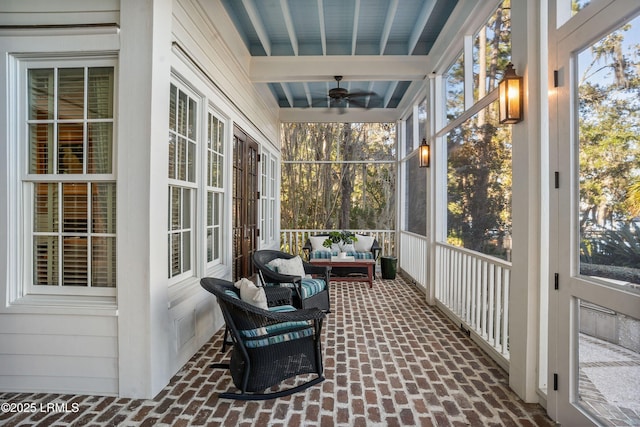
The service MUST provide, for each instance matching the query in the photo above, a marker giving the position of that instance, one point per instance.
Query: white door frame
(566, 41)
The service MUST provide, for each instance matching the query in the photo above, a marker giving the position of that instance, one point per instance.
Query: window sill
(53, 304)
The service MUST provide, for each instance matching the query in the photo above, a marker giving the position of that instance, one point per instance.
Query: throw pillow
(364, 243)
(292, 267)
(251, 294)
(316, 243)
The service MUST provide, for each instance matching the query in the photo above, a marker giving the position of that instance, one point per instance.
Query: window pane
(491, 51)
(608, 354)
(100, 97)
(186, 250)
(416, 197)
(174, 200)
(181, 119)
(46, 260)
(174, 254)
(70, 148)
(479, 185)
(186, 208)
(217, 243)
(74, 261)
(70, 93)
(45, 207)
(172, 155)
(191, 161)
(408, 129)
(181, 159)
(454, 89)
(41, 148)
(422, 121)
(100, 147)
(103, 262)
(191, 127)
(41, 94)
(74, 208)
(609, 155)
(173, 93)
(103, 208)
(210, 244)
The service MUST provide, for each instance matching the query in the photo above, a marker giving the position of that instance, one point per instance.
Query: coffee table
(362, 263)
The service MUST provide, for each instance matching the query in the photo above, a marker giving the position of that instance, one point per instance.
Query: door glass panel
(609, 365)
(609, 156)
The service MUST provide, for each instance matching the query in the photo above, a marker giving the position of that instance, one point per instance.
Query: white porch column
(143, 105)
(530, 183)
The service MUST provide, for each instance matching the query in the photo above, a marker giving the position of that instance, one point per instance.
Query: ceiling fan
(341, 97)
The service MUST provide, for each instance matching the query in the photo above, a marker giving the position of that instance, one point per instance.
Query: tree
(479, 150)
(338, 176)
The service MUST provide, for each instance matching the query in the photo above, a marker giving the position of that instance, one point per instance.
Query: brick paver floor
(390, 360)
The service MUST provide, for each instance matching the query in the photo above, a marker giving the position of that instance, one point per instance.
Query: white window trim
(27, 292)
(195, 210)
(217, 190)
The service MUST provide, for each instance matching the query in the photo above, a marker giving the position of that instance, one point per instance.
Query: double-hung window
(70, 181)
(183, 137)
(196, 184)
(215, 187)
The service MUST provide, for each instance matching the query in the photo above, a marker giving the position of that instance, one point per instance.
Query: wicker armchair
(307, 293)
(268, 346)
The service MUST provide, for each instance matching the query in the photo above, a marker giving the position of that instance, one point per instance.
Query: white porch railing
(414, 258)
(474, 288)
(292, 241)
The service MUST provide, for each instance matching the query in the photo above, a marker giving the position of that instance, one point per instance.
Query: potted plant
(341, 239)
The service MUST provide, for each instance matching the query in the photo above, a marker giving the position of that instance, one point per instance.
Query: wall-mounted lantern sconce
(511, 97)
(424, 154)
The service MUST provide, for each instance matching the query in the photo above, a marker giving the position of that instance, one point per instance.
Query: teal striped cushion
(328, 255)
(231, 293)
(310, 287)
(259, 337)
(282, 308)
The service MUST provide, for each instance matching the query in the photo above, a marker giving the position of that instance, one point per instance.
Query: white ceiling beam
(287, 93)
(369, 89)
(389, 94)
(256, 21)
(321, 68)
(391, 14)
(307, 92)
(354, 34)
(421, 23)
(351, 115)
(288, 22)
(323, 34)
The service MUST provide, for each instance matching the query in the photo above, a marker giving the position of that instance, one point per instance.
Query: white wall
(132, 343)
(57, 344)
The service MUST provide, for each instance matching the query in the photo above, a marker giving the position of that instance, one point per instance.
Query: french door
(245, 203)
(594, 310)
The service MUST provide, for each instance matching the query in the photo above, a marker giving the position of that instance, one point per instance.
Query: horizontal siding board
(71, 385)
(59, 345)
(58, 325)
(65, 366)
(61, 12)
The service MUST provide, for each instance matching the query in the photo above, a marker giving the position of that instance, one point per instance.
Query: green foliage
(617, 247)
(339, 238)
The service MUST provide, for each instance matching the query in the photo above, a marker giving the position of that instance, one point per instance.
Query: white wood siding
(59, 353)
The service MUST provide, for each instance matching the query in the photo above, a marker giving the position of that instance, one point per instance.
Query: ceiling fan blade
(361, 94)
(357, 103)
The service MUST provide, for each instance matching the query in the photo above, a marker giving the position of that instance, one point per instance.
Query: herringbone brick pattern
(390, 360)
